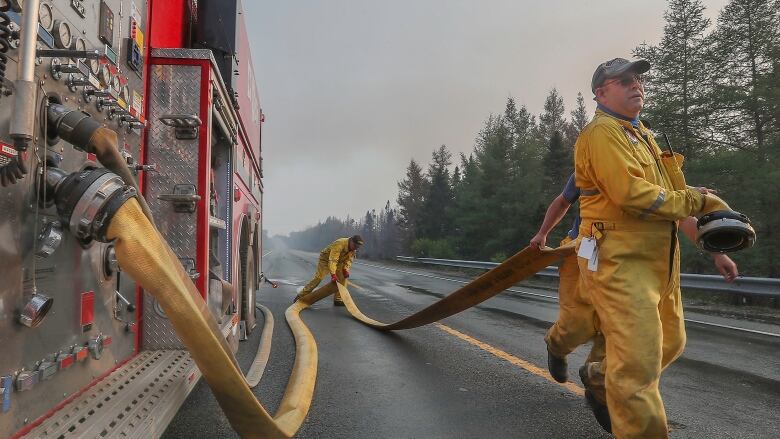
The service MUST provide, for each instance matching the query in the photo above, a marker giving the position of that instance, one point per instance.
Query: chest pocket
(648, 163)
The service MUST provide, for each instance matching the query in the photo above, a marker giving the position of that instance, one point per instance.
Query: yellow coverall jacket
(632, 195)
(333, 260)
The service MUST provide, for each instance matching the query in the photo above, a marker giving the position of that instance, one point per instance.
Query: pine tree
(456, 178)
(470, 211)
(579, 118)
(495, 145)
(389, 233)
(558, 166)
(411, 196)
(677, 84)
(435, 215)
(368, 231)
(522, 191)
(743, 53)
(552, 119)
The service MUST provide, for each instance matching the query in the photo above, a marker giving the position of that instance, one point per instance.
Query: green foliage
(380, 231)
(714, 91)
(679, 82)
(411, 196)
(743, 51)
(433, 248)
(435, 216)
(558, 165)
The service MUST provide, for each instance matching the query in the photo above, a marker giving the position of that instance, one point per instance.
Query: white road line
(734, 328)
(514, 290)
(717, 325)
(268, 253)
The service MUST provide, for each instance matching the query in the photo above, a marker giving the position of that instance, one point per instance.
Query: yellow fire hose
(522, 265)
(144, 255)
(255, 372)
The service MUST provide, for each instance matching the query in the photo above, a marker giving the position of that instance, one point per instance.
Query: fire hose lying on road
(117, 214)
(148, 259)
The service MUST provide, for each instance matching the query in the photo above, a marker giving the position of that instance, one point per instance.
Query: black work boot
(599, 409)
(338, 302)
(558, 367)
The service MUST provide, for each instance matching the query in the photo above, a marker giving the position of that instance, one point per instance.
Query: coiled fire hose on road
(145, 256)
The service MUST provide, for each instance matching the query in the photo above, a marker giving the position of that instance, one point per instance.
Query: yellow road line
(571, 387)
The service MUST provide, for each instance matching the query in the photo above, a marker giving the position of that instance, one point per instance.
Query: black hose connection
(87, 134)
(86, 200)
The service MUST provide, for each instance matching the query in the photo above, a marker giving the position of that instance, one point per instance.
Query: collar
(634, 122)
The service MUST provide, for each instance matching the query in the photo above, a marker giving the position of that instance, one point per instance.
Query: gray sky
(352, 90)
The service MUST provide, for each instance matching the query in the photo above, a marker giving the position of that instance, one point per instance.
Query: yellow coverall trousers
(322, 272)
(636, 294)
(577, 322)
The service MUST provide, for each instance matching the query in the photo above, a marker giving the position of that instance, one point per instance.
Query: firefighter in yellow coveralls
(334, 259)
(577, 322)
(632, 195)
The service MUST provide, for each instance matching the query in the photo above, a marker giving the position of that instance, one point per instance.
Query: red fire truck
(85, 352)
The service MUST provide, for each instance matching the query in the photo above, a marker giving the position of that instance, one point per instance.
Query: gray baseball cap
(616, 67)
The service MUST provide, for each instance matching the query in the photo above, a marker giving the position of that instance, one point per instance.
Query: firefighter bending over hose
(335, 260)
(632, 197)
(577, 322)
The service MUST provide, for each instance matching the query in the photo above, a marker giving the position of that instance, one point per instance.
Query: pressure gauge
(105, 75)
(94, 66)
(45, 16)
(116, 83)
(80, 45)
(126, 94)
(63, 37)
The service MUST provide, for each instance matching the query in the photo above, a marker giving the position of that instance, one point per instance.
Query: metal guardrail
(757, 286)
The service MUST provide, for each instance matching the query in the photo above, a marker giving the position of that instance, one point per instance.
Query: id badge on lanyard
(589, 249)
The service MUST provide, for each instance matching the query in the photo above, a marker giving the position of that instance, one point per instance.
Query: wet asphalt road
(430, 383)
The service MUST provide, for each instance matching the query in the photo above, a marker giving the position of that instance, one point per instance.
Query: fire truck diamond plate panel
(174, 89)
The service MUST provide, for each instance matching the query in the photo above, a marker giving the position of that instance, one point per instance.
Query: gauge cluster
(114, 28)
(83, 61)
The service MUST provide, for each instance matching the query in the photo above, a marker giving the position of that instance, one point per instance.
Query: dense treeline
(380, 231)
(714, 90)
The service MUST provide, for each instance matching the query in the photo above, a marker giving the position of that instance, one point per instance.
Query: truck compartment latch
(184, 198)
(186, 125)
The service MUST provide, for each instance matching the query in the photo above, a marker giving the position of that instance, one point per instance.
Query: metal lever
(99, 93)
(57, 69)
(117, 111)
(130, 306)
(106, 103)
(68, 53)
(146, 168)
(265, 278)
(73, 82)
(132, 122)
